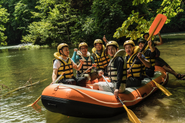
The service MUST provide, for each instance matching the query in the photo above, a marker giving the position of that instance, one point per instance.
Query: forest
(49, 22)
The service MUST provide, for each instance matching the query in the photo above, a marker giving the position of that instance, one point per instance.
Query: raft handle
(161, 83)
(55, 89)
(145, 94)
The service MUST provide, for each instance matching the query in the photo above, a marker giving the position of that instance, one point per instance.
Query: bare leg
(170, 70)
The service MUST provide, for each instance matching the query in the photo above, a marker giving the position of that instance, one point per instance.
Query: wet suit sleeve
(92, 59)
(75, 57)
(153, 54)
(119, 62)
(157, 52)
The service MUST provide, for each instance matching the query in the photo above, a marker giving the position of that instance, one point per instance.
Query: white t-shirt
(57, 63)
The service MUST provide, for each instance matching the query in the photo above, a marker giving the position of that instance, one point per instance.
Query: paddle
(163, 89)
(156, 26)
(86, 71)
(132, 117)
(40, 95)
(154, 29)
(120, 52)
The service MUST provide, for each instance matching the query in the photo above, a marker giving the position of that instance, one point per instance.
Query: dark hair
(113, 46)
(98, 43)
(145, 34)
(62, 49)
(141, 40)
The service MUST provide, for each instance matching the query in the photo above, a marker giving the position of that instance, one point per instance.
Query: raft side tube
(79, 109)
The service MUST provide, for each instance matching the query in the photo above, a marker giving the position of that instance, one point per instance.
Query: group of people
(125, 68)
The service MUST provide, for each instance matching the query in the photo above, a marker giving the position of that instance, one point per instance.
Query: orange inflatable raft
(79, 101)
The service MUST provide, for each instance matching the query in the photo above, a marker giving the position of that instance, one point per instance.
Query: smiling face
(141, 45)
(65, 51)
(83, 50)
(129, 49)
(98, 46)
(146, 36)
(112, 50)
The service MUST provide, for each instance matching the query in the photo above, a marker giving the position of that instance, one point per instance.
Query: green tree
(56, 17)
(3, 20)
(19, 18)
(141, 23)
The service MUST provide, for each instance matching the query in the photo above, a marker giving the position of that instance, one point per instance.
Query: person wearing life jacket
(116, 71)
(62, 63)
(100, 57)
(84, 55)
(137, 71)
(150, 53)
(160, 62)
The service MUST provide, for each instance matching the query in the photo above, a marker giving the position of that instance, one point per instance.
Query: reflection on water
(17, 67)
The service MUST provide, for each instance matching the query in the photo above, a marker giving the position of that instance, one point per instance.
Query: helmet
(112, 43)
(60, 46)
(141, 40)
(98, 41)
(129, 42)
(82, 44)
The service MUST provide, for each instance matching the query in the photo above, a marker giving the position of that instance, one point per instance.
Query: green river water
(18, 66)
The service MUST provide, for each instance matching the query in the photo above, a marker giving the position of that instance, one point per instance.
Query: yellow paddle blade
(37, 107)
(163, 89)
(132, 117)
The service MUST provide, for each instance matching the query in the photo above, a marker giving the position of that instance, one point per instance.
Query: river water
(19, 66)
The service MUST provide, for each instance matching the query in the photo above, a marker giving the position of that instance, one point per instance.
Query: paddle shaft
(119, 51)
(112, 89)
(51, 83)
(86, 71)
(145, 43)
(132, 117)
(58, 78)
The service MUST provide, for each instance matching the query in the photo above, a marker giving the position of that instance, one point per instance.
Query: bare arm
(160, 39)
(152, 48)
(104, 39)
(78, 67)
(54, 75)
(145, 62)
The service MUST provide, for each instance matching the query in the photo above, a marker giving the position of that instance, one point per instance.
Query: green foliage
(19, 18)
(53, 27)
(139, 24)
(3, 19)
(73, 21)
(105, 17)
(137, 2)
(170, 8)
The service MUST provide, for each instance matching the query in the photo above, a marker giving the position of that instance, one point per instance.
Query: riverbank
(23, 46)
(26, 46)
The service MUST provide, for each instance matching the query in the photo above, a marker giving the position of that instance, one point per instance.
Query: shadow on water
(59, 118)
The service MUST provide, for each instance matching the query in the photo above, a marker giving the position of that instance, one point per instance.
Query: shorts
(103, 86)
(133, 82)
(160, 62)
(150, 71)
(80, 81)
